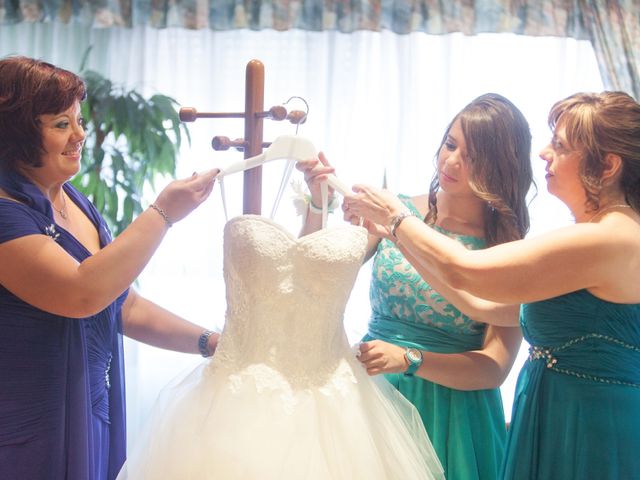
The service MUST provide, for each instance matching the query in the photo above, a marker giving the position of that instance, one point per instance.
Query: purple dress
(62, 409)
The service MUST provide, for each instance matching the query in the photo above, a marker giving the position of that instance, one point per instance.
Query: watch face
(414, 355)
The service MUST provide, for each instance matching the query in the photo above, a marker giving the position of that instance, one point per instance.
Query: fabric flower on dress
(301, 197)
(51, 231)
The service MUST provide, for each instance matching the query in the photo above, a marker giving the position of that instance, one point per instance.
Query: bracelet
(313, 208)
(202, 343)
(162, 213)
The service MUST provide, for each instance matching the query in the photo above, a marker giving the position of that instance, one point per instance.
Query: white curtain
(379, 104)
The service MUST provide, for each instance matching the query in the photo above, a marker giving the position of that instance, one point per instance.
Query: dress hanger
(292, 148)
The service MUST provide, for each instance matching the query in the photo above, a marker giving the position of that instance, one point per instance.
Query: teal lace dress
(576, 413)
(467, 428)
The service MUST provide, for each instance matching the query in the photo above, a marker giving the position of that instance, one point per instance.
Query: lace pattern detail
(266, 379)
(285, 305)
(398, 291)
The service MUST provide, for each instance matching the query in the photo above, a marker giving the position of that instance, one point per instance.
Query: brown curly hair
(499, 146)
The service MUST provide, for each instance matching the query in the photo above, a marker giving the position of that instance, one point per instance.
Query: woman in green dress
(478, 198)
(577, 405)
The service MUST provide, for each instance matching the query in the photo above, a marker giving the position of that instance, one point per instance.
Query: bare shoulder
(619, 238)
(620, 229)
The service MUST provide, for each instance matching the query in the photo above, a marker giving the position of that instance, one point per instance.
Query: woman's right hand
(181, 197)
(315, 171)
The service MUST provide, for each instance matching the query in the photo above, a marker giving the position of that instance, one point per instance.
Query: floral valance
(613, 26)
(530, 17)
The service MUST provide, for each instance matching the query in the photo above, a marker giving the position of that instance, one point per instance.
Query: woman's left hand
(315, 172)
(378, 357)
(373, 204)
(181, 197)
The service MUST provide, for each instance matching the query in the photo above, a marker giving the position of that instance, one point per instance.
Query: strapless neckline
(290, 236)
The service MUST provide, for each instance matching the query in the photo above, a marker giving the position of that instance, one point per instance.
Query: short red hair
(30, 88)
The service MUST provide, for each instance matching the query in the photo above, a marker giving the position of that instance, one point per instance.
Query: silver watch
(396, 220)
(414, 359)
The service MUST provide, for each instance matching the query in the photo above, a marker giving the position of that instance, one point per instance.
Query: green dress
(576, 412)
(467, 428)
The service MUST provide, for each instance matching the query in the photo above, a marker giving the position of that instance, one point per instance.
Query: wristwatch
(203, 340)
(396, 220)
(414, 359)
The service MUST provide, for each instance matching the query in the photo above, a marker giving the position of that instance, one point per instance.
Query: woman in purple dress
(65, 300)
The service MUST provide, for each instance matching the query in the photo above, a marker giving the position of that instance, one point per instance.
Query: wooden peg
(224, 143)
(297, 116)
(190, 114)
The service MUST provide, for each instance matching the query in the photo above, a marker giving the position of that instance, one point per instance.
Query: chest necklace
(606, 209)
(62, 211)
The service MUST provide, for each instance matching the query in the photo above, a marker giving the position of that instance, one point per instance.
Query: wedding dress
(284, 396)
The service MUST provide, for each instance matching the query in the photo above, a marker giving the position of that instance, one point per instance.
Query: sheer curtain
(379, 103)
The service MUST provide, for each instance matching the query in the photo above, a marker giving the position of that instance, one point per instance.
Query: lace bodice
(398, 291)
(286, 296)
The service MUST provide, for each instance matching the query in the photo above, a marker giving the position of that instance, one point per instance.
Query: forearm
(149, 323)
(103, 276)
(312, 223)
(473, 370)
(478, 369)
(462, 371)
(476, 308)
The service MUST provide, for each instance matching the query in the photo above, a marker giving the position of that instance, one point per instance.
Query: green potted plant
(130, 142)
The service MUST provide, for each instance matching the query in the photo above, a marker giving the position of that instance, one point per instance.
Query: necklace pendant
(62, 211)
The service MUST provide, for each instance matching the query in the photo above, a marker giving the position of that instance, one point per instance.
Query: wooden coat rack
(252, 143)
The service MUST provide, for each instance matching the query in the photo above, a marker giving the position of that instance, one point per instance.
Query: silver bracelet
(202, 343)
(163, 214)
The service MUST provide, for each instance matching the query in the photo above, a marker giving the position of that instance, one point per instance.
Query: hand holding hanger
(293, 148)
(290, 147)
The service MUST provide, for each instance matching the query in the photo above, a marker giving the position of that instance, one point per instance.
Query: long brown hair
(30, 88)
(597, 124)
(499, 147)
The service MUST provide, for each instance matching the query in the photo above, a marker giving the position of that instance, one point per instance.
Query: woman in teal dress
(577, 405)
(478, 198)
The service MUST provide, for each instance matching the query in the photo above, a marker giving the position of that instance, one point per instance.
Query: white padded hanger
(292, 148)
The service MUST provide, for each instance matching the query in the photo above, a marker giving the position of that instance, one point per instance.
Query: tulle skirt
(253, 423)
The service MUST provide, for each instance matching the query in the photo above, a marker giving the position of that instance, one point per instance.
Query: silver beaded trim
(547, 354)
(542, 353)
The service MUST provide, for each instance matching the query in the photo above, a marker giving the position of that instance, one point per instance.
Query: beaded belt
(548, 355)
(107, 369)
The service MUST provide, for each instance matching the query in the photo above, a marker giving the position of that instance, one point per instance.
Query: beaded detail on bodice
(584, 336)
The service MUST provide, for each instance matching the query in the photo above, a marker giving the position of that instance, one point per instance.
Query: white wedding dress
(284, 397)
